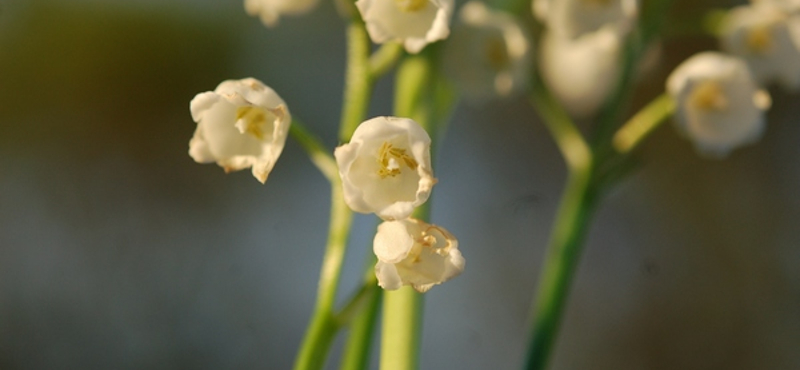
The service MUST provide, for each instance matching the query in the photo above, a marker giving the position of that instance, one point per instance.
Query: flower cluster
(386, 170)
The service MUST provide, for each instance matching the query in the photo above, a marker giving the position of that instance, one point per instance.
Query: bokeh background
(119, 252)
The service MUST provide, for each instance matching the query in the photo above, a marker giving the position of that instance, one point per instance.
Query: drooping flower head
(415, 23)
(768, 39)
(270, 11)
(386, 167)
(241, 124)
(412, 252)
(719, 105)
(488, 53)
(581, 72)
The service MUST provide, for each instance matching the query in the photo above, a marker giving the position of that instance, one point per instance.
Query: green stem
(322, 329)
(630, 135)
(359, 341)
(358, 80)
(568, 231)
(318, 153)
(402, 321)
(385, 58)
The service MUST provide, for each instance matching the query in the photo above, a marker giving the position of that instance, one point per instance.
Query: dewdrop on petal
(241, 124)
(386, 167)
(270, 11)
(581, 72)
(412, 252)
(719, 105)
(415, 23)
(767, 39)
(488, 53)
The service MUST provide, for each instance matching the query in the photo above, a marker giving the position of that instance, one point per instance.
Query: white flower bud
(581, 72)
(488, 53)
(768, 40)
(415, 23)
(270, 10)
(412, 252)
(575, 18)
(386, 167)
(241, 124)
(719, 105)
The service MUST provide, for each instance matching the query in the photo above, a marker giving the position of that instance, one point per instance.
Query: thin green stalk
(318, 153)
(568, 231)
(385, 58)
(358, 80)
(643, 123)
(359, 340)
(322, 329)
(402, 321)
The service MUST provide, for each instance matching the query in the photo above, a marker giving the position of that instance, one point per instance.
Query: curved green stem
(358, 80)
(385, 58)
(323, 327)
(359, 341)
(643, 123)
(569, 228)
(318, 153)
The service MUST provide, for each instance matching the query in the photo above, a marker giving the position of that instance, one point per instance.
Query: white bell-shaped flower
(270, 11)
(241, 124)
(386, 167)
(415, 23)
(575, 18)
(581, 72)
(412, 252)
(488, 53)
(719, 104)
(768, 40)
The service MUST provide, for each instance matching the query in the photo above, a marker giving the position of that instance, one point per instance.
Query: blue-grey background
(119, 252)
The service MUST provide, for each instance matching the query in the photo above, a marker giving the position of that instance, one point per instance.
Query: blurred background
(118, 251)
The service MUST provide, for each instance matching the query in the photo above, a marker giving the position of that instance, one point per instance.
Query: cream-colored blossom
(412, 252)
(768, 39)
(241, 124)
(270, 11)
(719, 105)
(488, 53)
(415, 23)
(575, 18)
(386, 167)
(581, 72)
(788, 6)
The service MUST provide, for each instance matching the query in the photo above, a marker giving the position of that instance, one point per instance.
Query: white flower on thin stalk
(581, 72)
(767, 39)
(719, 105)
(488, 53)
(270, 11)
(415, 23)
(386, 167)
(241, 124)
(412, 252)
(575, 18)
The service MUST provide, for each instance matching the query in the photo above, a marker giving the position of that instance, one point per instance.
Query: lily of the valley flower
(241, 124)
(581, 72)
(768, 39)
(412, 252)
(719, 105)
(386, 167)
(270, 10)
(488, 53)
(416, 23)
(575, 18)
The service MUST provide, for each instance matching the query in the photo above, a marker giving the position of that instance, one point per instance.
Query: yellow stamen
(759, 40)
(388, 157)
(251, 120)
(411, 6)
(708, 96)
